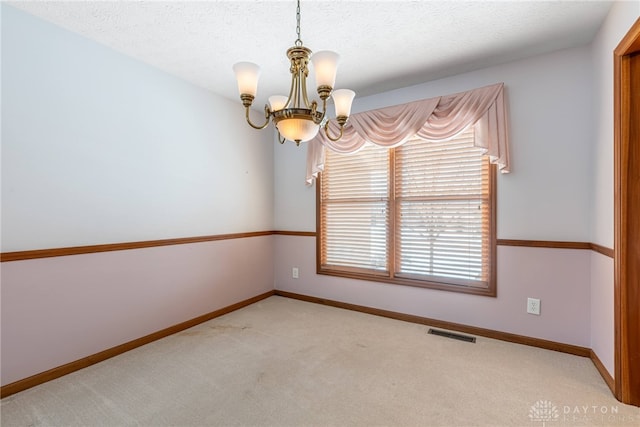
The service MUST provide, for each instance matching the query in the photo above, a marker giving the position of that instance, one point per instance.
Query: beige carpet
(282, 362)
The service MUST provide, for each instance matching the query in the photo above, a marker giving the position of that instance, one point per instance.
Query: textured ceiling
(383, 44)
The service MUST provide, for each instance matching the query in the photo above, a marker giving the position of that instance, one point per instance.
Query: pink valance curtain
(431, 119)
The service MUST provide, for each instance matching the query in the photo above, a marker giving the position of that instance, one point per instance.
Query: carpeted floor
(283, 362)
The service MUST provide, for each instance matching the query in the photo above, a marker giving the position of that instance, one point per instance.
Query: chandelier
(295, 118)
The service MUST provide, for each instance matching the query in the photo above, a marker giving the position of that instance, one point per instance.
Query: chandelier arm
(317, 119)
(326, 131)
(267, 115)
(281, 139)
(289, 104)
(324, 110)
(303, 83)
(295, 91)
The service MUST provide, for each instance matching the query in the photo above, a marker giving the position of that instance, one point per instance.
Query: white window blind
(442, 209)
(355, 209)
(420, 213)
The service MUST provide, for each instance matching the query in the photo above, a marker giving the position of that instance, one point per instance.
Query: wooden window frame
(450, 285)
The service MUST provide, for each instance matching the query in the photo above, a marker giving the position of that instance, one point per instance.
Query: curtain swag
(433, 119)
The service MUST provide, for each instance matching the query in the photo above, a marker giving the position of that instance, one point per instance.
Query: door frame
(626, 306)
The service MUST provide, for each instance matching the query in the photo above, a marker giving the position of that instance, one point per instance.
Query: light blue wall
(100, 148)
(549, 104)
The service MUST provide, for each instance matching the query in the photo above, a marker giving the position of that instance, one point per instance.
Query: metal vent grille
(459, 337)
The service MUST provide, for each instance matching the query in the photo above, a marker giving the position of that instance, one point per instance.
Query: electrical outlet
(533, 306)
(295, 273)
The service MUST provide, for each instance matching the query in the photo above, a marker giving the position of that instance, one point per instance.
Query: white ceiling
(383, 44)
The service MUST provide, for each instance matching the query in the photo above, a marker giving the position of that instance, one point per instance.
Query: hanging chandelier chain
(298, 40)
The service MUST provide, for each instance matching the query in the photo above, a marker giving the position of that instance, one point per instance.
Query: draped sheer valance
(432, 119)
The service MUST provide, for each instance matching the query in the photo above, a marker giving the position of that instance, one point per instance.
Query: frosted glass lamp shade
(325, 65)
(297, 129)
(277, 102)
(247, 74)
(342, 100)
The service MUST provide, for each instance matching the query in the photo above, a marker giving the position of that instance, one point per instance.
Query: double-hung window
(421, 214)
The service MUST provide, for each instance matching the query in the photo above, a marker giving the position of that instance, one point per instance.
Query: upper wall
(100, 148)
(620, 19)
(546, 196)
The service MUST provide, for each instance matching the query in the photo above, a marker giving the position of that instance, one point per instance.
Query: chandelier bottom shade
(298, 130)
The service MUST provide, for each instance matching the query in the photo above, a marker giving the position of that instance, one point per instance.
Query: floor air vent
(465, 338)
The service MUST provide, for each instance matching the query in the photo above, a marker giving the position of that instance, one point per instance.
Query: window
(419, 214)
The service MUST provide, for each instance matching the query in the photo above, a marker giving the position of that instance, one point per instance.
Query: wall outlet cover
(533, 306)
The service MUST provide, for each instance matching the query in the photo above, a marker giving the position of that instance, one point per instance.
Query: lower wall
(61, 309)
(558, 277)
(602, 310)
(58, 310)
